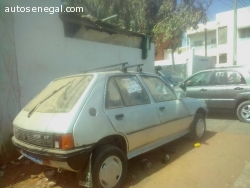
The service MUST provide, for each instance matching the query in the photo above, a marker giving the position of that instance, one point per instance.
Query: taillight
(63, 141)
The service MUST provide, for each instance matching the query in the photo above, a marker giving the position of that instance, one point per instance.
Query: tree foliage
(152, 17)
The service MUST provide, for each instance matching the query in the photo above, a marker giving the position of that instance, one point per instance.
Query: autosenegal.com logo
(50, 10)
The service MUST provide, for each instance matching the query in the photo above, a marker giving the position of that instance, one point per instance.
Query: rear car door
(227, 87)
(235, 88)
(174, 115)
(198, 86)
(130, 109)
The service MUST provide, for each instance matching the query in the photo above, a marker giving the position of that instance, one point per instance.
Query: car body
(171, 77)
(224, 88)
(104, 119)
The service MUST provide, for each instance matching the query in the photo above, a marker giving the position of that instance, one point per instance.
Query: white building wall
(225, 19)
(200, 50)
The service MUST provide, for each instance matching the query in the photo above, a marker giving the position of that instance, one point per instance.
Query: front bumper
(73, 160)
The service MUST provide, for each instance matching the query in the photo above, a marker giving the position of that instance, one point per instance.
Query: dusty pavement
(222, 160)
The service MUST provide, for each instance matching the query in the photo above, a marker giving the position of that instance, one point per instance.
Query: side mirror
(183, 86)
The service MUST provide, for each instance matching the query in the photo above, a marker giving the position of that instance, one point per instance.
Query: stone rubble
(50, 173)
(146, 164)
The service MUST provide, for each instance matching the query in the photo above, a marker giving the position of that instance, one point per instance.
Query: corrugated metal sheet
(9, 93)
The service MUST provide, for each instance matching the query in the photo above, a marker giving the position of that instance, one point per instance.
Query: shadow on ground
(222, 115)
(175, 149)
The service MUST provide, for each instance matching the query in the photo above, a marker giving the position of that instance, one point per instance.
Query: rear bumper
(73, 160)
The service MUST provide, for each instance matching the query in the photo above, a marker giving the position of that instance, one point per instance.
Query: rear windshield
(60, 96)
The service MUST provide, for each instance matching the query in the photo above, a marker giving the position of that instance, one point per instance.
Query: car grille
(34, 137)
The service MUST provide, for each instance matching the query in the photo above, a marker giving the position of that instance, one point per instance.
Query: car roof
(107, 73)
(236, 67)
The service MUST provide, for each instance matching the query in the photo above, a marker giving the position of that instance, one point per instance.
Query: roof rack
(124, 68)
(139, 68)
(110, 66)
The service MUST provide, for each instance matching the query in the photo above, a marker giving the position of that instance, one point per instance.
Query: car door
(216, 94)
(130, 109)
(174, 116)
(198, 85)
(226, 87)
(234, 89)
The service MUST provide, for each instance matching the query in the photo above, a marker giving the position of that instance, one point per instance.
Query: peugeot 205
(96, 121)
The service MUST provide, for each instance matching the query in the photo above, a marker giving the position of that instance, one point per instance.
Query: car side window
(131, 90)
(200, 79)
(219, 78)
(113, 97)
(234, 77)
(159, 90)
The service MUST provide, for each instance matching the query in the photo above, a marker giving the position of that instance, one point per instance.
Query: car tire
(198, 127)
(243, 112)
(109, 167)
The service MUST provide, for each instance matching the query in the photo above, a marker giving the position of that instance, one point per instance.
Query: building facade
(219, 35)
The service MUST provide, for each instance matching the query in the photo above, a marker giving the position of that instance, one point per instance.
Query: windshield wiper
(50, 95)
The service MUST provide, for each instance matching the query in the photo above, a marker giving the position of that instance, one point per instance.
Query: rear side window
(234, 77)
(113, 97)
(127, 91)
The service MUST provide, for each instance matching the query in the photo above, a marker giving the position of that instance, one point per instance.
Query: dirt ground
(217, 163)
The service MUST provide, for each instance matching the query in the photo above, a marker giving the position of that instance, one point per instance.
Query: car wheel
(109, 167)
(198, 127)
(243, 111)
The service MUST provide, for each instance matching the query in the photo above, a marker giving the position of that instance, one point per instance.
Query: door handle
(203, 89)
(162, 108)
(238, 88)
(119, 116)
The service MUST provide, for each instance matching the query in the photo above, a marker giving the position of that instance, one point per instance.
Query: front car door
(130, 109)
(198, 86)
(217, 93)
(174, 115)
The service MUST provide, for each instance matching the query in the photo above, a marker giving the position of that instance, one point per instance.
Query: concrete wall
(40, 53)
(9, 95)
(43, 53)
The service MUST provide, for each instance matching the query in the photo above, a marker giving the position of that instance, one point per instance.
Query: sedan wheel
(110, 171)
(199, 127)
(109, 167)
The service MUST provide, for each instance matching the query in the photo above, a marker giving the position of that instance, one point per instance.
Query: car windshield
(59, 96)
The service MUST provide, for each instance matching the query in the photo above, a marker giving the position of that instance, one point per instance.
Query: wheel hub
(245, 112)
(110, 171)
(200, 127)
